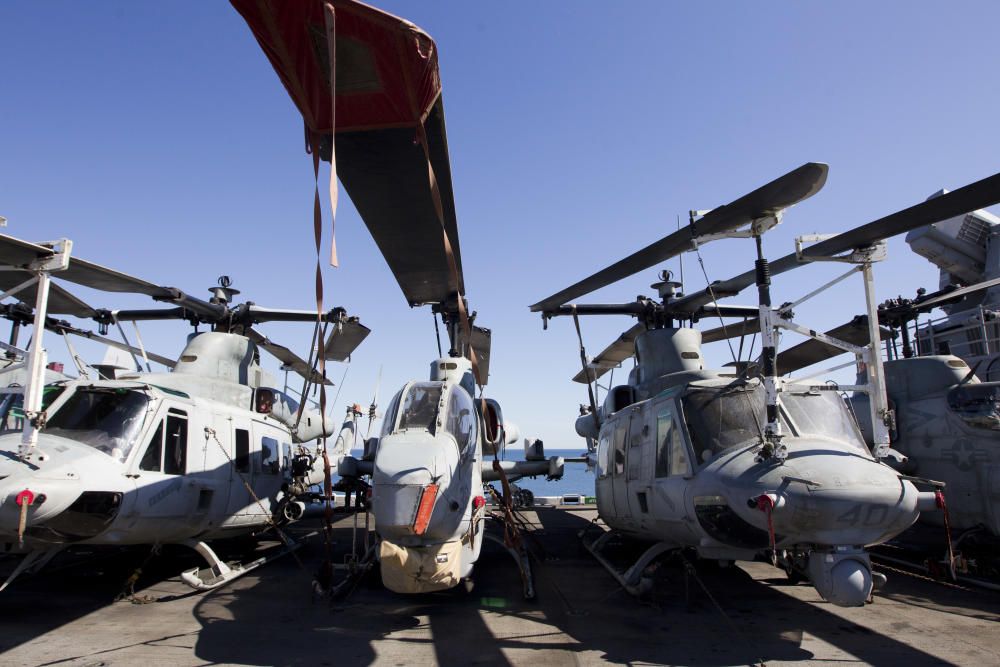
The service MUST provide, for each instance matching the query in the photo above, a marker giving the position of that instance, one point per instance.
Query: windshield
(724, 417)
(822, 413)
(420, 407)
(389, 419)
(12, 407)
(461, 421)
(107, 419)
(977, 404)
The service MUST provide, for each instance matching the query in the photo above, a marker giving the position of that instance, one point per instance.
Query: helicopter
(739, 463)
(204, 452)
(945, 417)
(429, 464)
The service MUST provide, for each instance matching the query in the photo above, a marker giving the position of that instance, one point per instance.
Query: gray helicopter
(946, 419)
(387, 144)
(739, 463)
(206, 451)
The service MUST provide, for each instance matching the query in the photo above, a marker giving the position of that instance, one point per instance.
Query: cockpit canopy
(720, 418)
(431, 407)
(109, 419)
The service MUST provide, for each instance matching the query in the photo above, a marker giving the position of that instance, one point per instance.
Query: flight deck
(745, 614)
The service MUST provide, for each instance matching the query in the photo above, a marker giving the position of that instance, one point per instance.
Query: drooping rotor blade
(793, 187)
(386, 175)
(388, 131)
(344, 339)
(63, 327)
(482, 343)
(958, 202)
(814, 351)
(747, 327)
(102, 278)
(24, 254)
(287, 357)
(16, 252)
(61, 302)
(613, 355)
(717, 310)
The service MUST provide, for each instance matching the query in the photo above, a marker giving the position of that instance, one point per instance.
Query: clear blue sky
(157, 136)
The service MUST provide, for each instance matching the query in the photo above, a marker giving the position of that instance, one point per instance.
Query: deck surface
(67, 616)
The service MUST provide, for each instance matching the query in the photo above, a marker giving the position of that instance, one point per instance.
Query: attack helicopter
(387, 144)
(738, 463)
(204, 452)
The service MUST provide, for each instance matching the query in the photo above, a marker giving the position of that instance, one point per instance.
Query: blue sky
(158, 138)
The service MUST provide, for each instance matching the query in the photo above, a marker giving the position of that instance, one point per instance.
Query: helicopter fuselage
(679, 462)
(427, 482)
(682, 467)
(196, 454)
(947, 424)
(133, 462)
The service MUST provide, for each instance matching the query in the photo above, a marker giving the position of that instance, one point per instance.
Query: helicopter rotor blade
(286, 357)
(814, 351)
(388, 123)
(980, 194)
(747, 327)
(614, 354)
(344, 339)
(61, 301)
(793, 187)
(385, 173)
(16, 252)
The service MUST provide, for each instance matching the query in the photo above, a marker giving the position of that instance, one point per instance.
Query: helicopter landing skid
(631, 580)
(219, 572)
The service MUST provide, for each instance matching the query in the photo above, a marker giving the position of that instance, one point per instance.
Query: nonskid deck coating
(580, 617)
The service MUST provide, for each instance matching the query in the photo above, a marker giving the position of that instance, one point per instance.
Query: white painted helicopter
(438, 440)
(206, 451)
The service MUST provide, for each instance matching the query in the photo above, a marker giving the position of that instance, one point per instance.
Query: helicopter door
(621, 470)
(161, 490)
(638, 477)
(240, 505)
(602, 482)
(670, 467)
(267, 477)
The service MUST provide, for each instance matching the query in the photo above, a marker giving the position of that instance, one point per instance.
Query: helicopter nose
(834, 498)
(38, 499)
(411, 473)
(41, 493)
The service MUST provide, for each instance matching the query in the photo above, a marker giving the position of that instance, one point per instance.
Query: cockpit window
(107, 419)
(724, 417)
(12, 407)
(977, 404)
(389, 419)
(461, 421)
(821, 413)
(420, 407)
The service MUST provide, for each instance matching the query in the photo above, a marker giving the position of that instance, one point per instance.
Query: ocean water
(575, 479)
